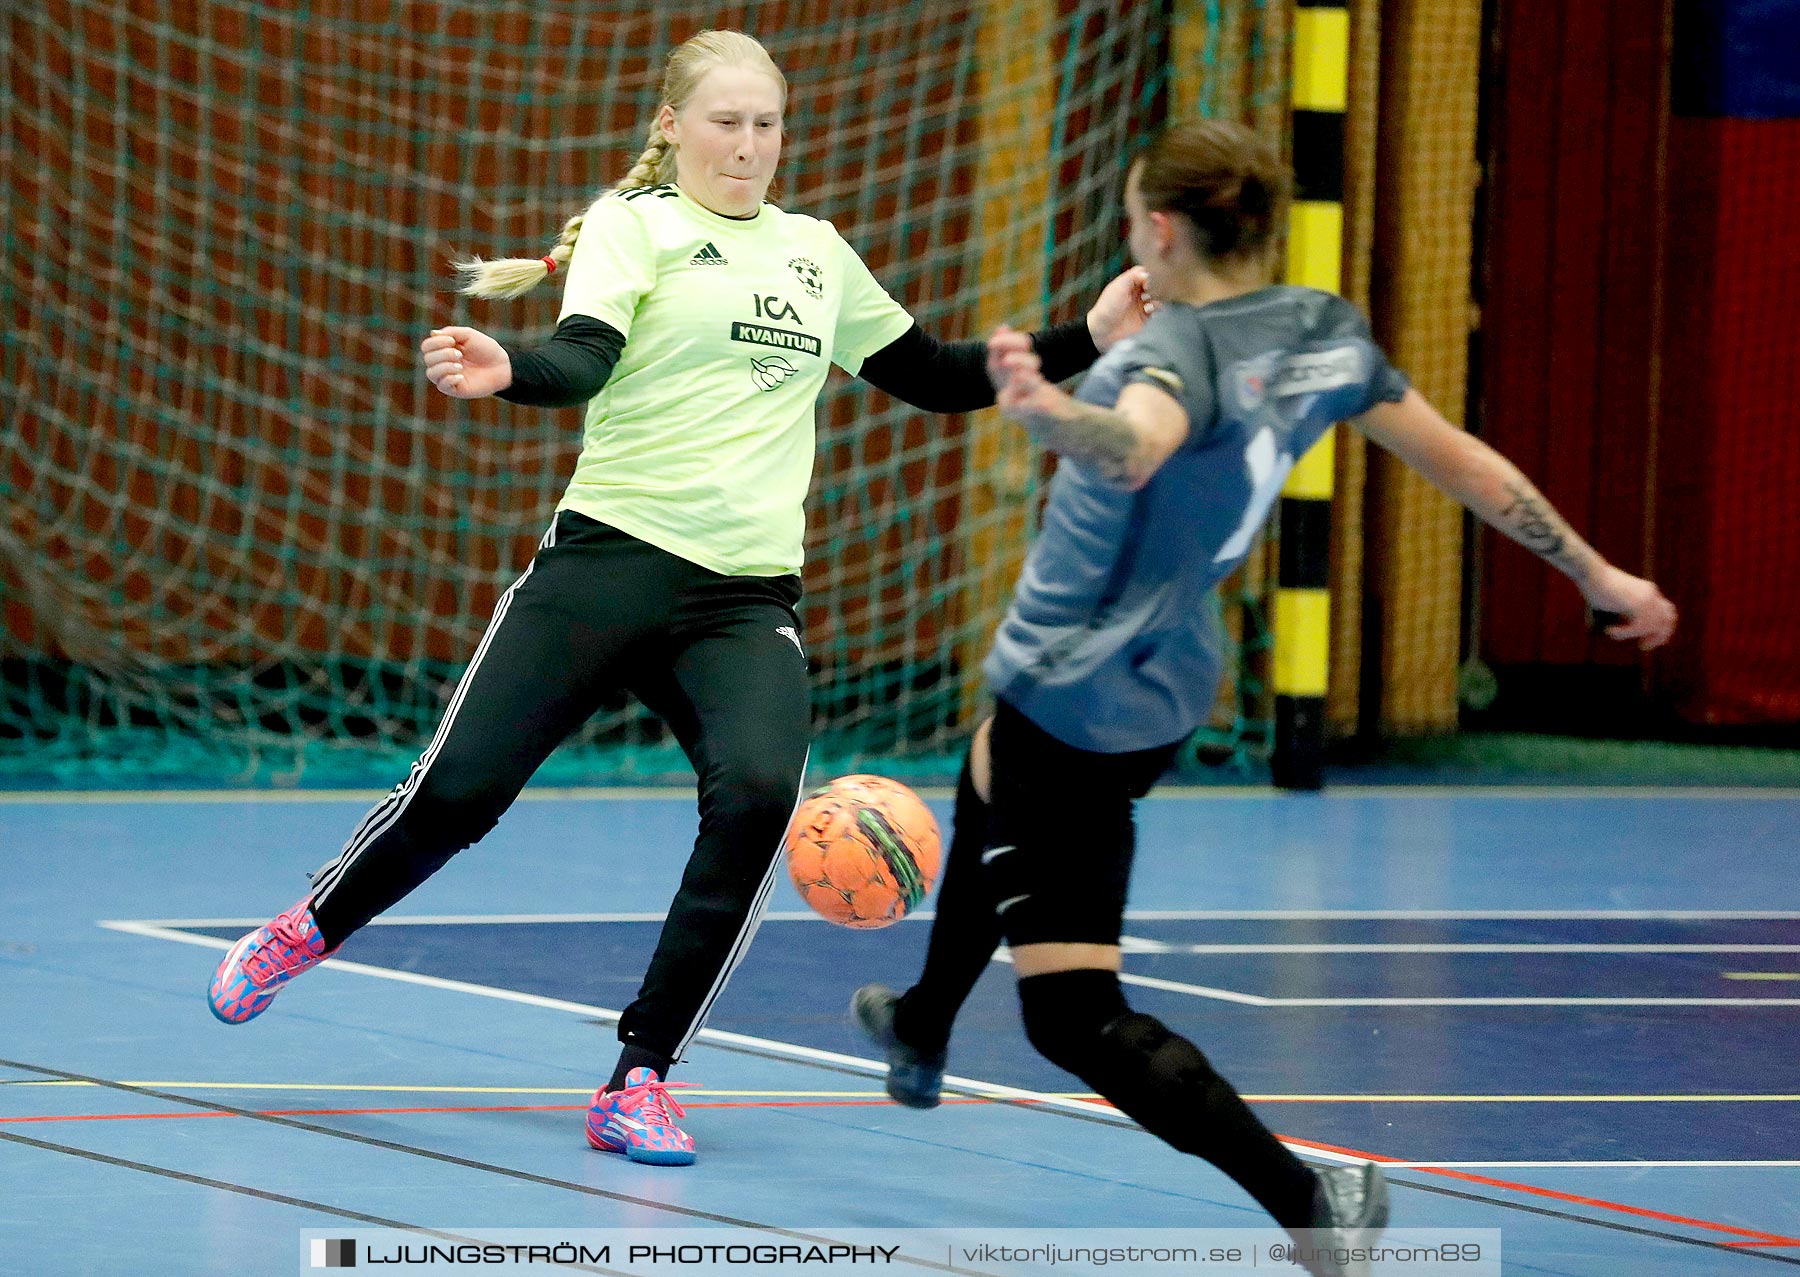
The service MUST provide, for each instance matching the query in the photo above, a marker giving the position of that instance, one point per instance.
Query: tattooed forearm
(1531, 521)
(1094, 436)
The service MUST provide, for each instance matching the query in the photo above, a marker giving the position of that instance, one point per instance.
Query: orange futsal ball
(863, 851)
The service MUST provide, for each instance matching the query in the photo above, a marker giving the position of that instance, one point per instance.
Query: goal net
(240, 536)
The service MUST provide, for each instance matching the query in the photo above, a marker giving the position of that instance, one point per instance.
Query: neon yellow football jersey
(701, 441)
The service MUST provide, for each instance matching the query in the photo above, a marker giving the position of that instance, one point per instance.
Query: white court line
(1175, 986)
(766, 1046)
(1212, 992)
(970, 1086)
(1196, 990)
(165, 797)
(466, 919)
(1135, 944)
(1199, 991)
(1131, 915)
(1584, 792)
(162, 930)
(1560, 1166)
(1461, 915)
(1705, 793)
(1258, 1000)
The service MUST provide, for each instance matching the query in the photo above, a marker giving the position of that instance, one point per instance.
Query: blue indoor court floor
(1568, 1015)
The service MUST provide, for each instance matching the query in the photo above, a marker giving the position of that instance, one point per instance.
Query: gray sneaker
(914, 1079)
(1350, 1208)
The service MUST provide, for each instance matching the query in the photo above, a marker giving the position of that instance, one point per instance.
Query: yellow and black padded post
(1302, 621)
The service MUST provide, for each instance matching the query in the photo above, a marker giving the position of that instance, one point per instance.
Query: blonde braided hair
(687, 65)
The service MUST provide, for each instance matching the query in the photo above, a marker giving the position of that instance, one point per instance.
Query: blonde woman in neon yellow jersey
(698, 324)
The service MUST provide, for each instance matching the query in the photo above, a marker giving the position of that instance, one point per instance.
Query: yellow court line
(861, 1095)
(1762, 975)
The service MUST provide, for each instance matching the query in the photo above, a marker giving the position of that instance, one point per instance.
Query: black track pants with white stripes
(717, 657)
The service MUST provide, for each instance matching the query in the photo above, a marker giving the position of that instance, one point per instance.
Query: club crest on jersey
(1250, 378)
(811, 277)
(771, 372)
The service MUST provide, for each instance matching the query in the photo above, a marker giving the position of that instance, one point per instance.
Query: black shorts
(1060, 832)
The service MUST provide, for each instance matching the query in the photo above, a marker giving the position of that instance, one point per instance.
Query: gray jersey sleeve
(1171, 355)
(1384, 383)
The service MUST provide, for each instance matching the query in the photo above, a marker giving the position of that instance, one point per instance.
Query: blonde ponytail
(515, 276)
(688, 63)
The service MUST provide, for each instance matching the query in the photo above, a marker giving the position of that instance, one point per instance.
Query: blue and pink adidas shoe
(637, 1121)
(259, 964)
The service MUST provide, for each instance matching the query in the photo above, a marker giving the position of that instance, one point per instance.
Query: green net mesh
(241, 540)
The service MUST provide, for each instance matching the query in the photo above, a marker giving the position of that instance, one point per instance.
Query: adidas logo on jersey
(708, 256)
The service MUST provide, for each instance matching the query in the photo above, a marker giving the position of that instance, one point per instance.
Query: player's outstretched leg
(260, 963)
(519, 697)
(1080, 1021)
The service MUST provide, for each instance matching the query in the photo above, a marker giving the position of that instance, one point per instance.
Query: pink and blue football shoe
(259, 964)
(637, 1121)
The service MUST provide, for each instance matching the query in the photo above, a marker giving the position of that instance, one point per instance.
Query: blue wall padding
(1738, 58)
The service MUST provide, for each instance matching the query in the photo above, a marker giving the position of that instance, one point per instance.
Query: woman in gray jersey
(1109, 656)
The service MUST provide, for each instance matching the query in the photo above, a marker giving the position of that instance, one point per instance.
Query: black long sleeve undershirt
(568, 369)
(917, 368)
(951, 376)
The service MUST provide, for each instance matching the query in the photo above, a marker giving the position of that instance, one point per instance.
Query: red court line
(1756, 1238)
(1600, 1203)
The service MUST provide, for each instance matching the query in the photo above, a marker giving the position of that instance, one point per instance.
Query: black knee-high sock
(964, 934)
(633, 1056)
(1080, 1021)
